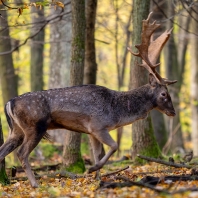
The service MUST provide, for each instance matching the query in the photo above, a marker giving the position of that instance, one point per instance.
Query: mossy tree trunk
(143, 138)
(3, 176)
(8, 77)
(36, 49)
(72, 156)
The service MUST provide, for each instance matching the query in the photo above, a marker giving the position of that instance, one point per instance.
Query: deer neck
(136, 104)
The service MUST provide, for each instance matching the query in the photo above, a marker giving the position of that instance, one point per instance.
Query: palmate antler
(150, 51)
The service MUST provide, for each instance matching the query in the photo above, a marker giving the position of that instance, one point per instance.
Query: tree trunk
(8, 78)
(7, 75)
(175, 63)
(90, 50)
(194, 84)
(158, 120)
(72, 155)
(3, 176)
(37, 46)
(60, 53)
(143, 138)
(90, 71)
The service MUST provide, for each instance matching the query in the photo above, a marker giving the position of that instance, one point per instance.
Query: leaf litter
(116, 181)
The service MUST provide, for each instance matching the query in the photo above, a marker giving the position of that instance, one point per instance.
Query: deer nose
(172, 113)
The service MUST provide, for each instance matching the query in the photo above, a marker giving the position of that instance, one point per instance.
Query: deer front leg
(105, 138)
(97, 149)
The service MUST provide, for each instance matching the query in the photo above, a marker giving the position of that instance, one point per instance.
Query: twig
(164, 162)
(8, 6)
(33, 35)
(156, 189)
(114, 172)
(56, 174)
(142, 185)
(169, 141)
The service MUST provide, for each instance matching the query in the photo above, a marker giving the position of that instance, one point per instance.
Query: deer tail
(9, 114)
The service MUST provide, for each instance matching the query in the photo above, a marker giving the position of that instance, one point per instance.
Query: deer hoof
(34, 185)
(94, 168)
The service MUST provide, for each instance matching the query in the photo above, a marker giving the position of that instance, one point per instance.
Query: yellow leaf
(60, 4)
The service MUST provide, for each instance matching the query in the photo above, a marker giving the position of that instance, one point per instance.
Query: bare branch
(164, 162)
(33, 35)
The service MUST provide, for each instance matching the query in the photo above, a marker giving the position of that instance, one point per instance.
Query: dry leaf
(60, 4)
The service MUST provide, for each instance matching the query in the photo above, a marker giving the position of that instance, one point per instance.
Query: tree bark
(60, 54)
(143, 138)
(7, 75)
(90, 71)
(36, 51)
(3, 176)
(90, 49)
(72, 155)
(158, 120)
(175, 63)
(194, 84)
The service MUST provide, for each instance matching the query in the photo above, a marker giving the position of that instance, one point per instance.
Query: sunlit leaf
(60, 4)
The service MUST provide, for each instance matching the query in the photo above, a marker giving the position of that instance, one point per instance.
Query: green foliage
(84, 144)
(48, 149)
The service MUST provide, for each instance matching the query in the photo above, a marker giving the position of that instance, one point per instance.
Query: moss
(3, 177)
(76, 167)
(78, 45)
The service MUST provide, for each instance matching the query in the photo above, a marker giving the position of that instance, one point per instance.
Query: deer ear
(152, 80)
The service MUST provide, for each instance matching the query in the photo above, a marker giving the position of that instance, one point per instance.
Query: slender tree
(175, 53)
(60, 54)
(36, 50)
(194, 81)
(7, 76)
(158, 120)
(143, 138)
(90, 71)
(72, 156)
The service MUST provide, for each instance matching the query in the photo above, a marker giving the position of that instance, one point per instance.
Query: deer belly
(69, 120)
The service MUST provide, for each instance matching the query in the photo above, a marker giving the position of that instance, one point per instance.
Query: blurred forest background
(35, 54)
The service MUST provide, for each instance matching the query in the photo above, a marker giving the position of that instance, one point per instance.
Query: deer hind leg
(14, 140)
(97, 149)
(105, 138)
(31, 140)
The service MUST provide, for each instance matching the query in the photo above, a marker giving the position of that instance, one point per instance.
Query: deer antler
(150, 52)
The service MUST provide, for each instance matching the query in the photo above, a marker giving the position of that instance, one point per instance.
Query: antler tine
(147, 31)
(150, 52)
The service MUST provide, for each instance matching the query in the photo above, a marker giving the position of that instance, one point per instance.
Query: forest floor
(119, 179)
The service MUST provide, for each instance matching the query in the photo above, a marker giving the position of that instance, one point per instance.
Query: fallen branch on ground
(114, 172)
(176, 165)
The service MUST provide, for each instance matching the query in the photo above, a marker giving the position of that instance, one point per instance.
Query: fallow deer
(90, 109)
